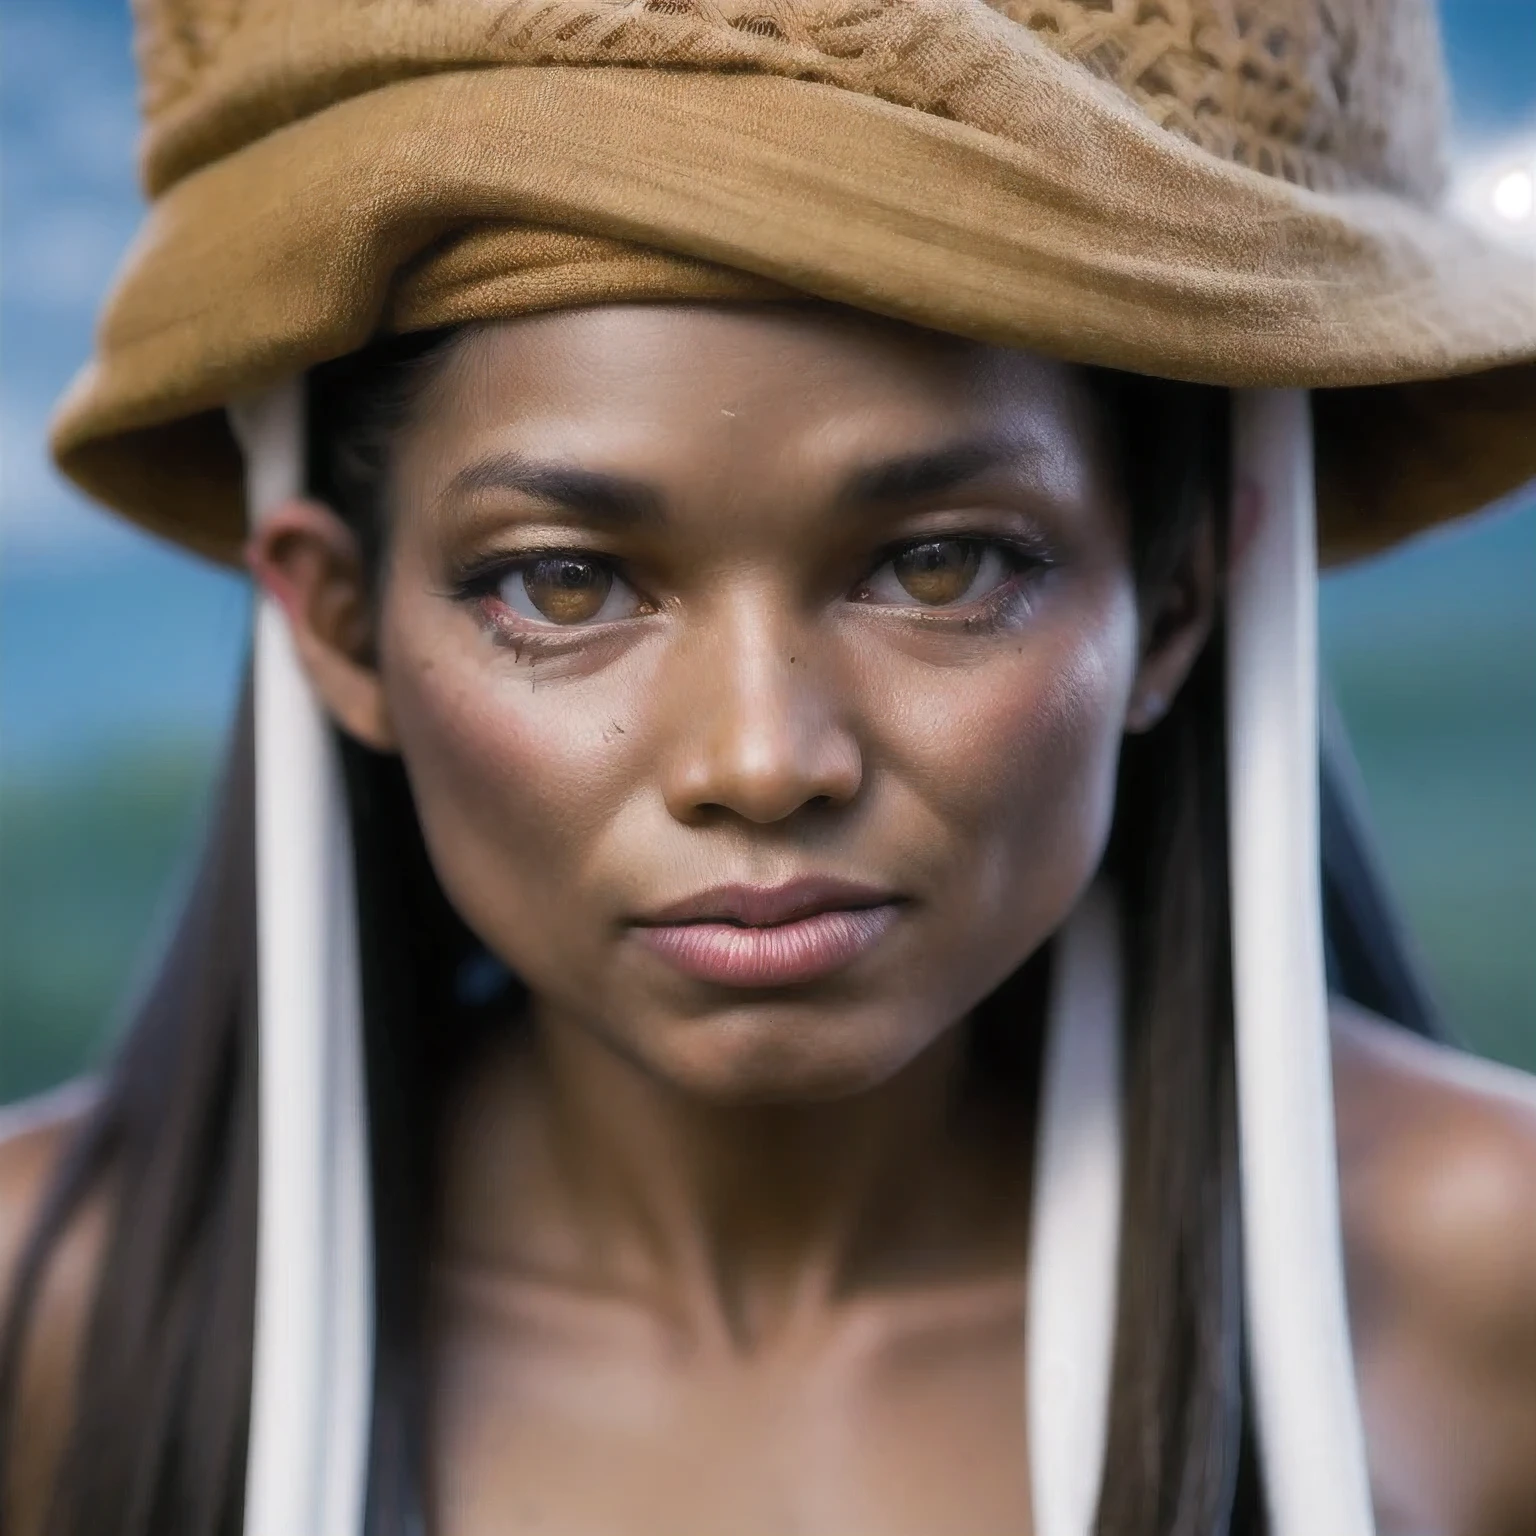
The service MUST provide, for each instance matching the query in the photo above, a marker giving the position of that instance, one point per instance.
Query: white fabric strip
(1074, 1243)
(1311, 1444)
(312, 1380)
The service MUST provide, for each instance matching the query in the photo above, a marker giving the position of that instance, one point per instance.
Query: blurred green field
(91, 860)
(92, 857)
(1446, 739)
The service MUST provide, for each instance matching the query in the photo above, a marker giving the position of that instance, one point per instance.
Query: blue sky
(105, 633)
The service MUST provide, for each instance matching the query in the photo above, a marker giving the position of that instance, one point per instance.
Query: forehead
(788, 391)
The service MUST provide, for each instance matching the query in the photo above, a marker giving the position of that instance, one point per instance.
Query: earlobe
(307, 561)
(1146, 709)
(1179, 627)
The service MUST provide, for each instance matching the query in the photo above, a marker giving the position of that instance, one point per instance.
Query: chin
(767, 1055)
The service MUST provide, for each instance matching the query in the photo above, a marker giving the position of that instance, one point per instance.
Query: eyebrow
(605, 499)
(913, 476)
(616, 501)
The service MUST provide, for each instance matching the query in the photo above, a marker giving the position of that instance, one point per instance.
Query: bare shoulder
(1437, 1155)
(33, 1138)
(1438, 1161)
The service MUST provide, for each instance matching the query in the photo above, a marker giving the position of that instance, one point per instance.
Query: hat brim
(1091, 235)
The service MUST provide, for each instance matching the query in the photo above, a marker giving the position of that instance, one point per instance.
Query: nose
(762, 727)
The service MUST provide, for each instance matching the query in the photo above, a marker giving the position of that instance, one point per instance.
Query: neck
(570, 1162)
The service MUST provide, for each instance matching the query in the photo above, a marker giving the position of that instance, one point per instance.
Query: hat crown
(1328, 94)
(1325, 93)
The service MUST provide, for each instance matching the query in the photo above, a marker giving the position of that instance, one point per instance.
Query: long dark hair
(157, 1446)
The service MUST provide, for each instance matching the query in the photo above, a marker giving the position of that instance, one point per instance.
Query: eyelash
(477, 585)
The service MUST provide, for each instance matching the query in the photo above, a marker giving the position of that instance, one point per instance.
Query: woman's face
(760, 674)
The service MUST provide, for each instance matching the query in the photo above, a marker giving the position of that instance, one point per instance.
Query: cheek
(1016, 756)
(514, 782)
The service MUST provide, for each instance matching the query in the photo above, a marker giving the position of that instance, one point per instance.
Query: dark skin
(681, 596)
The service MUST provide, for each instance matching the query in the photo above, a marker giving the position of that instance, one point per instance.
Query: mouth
(761, 936)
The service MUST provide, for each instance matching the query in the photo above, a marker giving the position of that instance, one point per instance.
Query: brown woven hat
(1239, 192)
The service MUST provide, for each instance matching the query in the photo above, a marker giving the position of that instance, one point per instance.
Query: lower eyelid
(514, 628)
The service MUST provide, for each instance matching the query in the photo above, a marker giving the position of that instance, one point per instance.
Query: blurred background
(120, 658)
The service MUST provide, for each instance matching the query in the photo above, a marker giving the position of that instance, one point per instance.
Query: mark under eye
(564, 589)
(942, 573)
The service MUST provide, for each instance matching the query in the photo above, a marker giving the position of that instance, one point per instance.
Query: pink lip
(752, 936)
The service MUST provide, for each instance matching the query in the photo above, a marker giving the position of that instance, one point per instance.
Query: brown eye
(566, 590)
(939, 572)
(943, 573)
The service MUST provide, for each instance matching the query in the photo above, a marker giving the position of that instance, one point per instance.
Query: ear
(1175, 627)
(307, 560)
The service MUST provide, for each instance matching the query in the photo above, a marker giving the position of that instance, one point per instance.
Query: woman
(772, 626)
